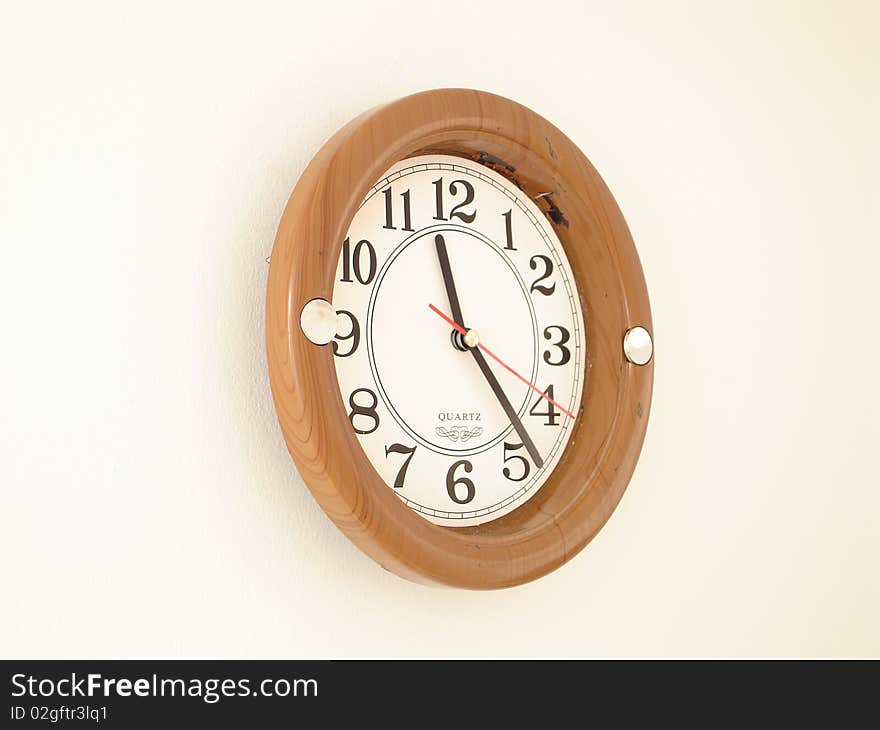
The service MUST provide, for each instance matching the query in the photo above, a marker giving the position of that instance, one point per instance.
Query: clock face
(460, 339)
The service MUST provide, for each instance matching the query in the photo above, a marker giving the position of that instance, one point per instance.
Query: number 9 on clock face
(459, 445)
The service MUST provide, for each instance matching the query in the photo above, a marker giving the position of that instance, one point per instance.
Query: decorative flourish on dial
(459, 433)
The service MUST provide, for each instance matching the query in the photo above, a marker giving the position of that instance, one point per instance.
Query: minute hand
(508, 408)
(455, 306)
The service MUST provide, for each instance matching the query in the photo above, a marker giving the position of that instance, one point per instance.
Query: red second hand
(501, 362)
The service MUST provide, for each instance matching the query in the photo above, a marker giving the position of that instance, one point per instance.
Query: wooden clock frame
(598, 461)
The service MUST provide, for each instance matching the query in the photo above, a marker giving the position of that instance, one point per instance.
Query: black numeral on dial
(389, 211)
(401, 449)
(453, 482)
(546, 263)
(564, 352)
(526, 467)
(353, 260)
(456, 211)
(364, 411)
(551, 414)
(354, 335)
(508, 231)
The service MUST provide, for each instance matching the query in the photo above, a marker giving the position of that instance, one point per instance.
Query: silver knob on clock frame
(318, 321)
(638, 346)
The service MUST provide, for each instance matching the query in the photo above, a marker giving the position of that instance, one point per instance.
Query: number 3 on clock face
(458, 444)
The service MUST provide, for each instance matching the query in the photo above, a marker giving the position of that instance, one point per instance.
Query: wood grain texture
(601, 454)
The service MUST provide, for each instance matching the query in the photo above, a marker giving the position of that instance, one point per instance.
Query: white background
(149, 506)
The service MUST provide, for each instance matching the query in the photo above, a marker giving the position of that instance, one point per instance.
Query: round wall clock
(459, 339)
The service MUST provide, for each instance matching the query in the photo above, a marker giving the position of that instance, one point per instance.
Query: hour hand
(448, 281)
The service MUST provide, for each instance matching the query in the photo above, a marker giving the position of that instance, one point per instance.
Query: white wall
(146, 153)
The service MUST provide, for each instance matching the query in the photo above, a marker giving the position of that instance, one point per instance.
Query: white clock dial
(457, 432)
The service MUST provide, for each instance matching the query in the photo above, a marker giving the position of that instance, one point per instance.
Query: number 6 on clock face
(459, 445)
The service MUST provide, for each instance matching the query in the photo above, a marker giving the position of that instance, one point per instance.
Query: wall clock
(459, 339)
